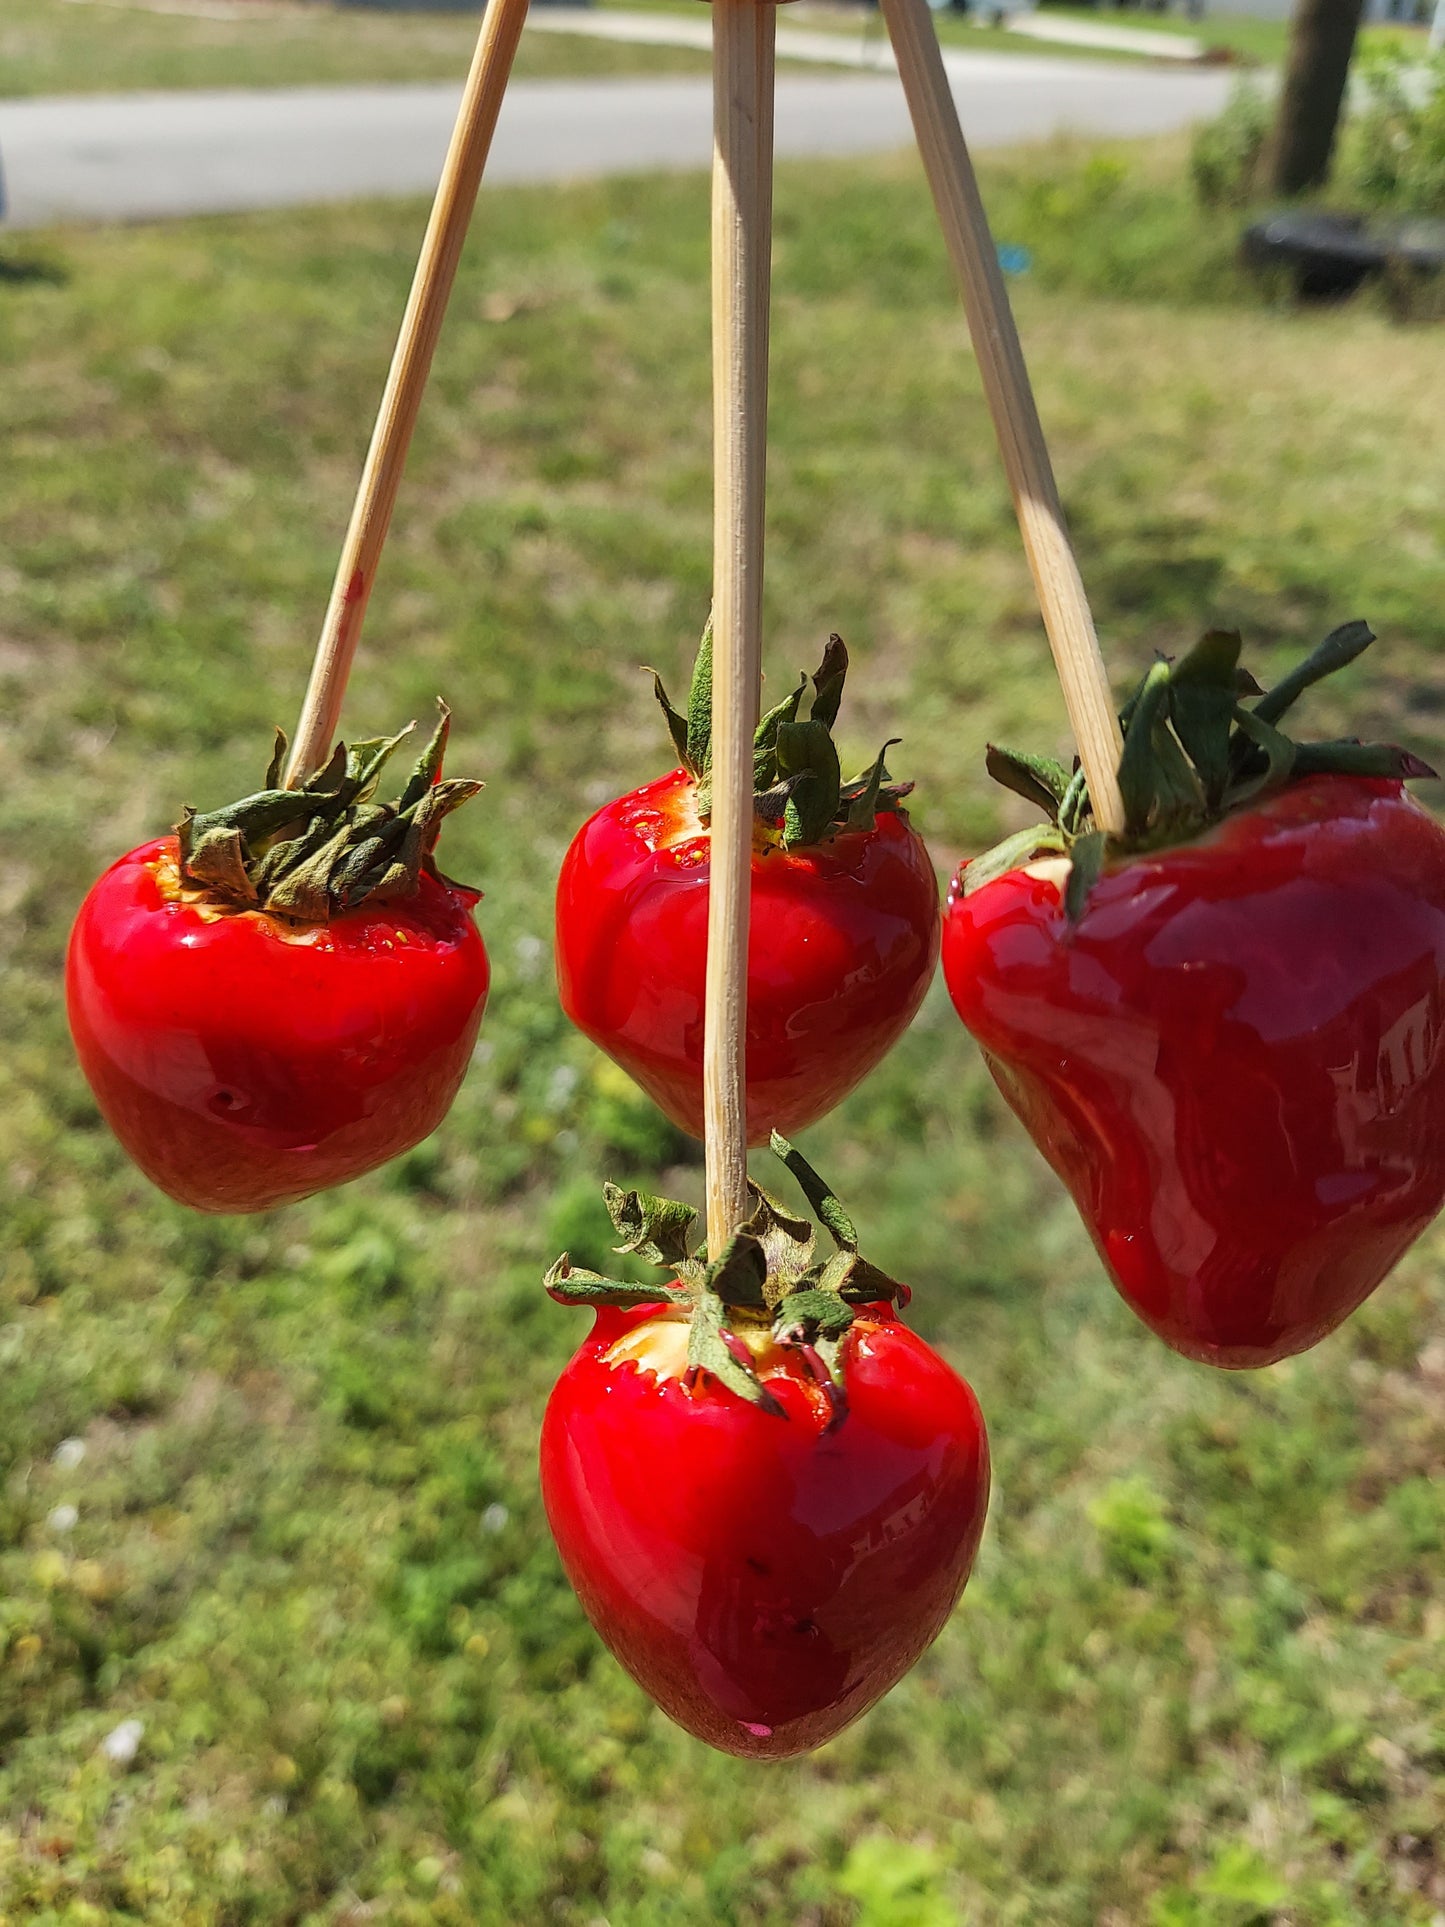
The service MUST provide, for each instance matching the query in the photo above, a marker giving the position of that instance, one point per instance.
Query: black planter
(1328, 256)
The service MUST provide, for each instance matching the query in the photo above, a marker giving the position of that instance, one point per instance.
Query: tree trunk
(1322, 39)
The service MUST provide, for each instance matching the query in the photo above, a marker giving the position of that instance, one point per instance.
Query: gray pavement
(143, 156)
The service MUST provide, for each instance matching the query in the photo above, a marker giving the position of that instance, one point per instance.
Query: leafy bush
(1225, 155)
(1392, 154)
(1395, 155)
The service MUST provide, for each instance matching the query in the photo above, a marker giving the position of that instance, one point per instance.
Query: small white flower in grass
(63, 1518)
(560, 1086)
(68, 1454)
(122, 1743)
(529, 952)
(495, 1518)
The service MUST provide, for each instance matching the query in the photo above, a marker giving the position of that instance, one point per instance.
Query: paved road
(142, 156)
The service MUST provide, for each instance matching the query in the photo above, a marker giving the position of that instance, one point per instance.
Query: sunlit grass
(1196, 1678)
(109, 46)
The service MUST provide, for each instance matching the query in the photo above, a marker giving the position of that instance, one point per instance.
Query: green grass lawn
(105, 46)
(1254, 41)
(101, 46)
(1240, 34)
(1196, 1681)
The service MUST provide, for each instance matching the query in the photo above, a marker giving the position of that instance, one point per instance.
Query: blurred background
(284, 1637)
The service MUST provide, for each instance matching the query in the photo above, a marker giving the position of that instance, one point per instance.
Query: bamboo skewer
(742, 209)
(411, 363)
(1060, 588)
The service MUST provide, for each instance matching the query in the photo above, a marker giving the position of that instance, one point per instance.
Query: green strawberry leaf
(862, 807)
(1340, 648)
(699, 709)
(811, 1314)
(806, 755)
(1203, 688)
(676, 725)
(1024, 846)
(826, 1208)
(1088, 853)
(765, 737)
(572, 1286)
(738, 1276)
(713, 1348)
(828, 681)
(1038, 779)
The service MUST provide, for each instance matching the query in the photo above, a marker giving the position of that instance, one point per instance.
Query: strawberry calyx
(1193, 754)
(770, 1280)
(798, 785)
(310, 853)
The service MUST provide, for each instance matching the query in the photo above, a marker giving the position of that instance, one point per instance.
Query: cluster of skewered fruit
(1224, 1027)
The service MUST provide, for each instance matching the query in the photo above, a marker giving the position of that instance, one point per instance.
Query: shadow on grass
(19, 269)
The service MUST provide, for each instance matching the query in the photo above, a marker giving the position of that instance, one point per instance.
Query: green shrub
(1224, 158)
(1395, 154)
(1392, 154)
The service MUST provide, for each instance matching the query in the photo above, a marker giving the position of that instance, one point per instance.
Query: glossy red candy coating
(763, 1579)
(1235, 1061)
(842, 946)
(243, 1062)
